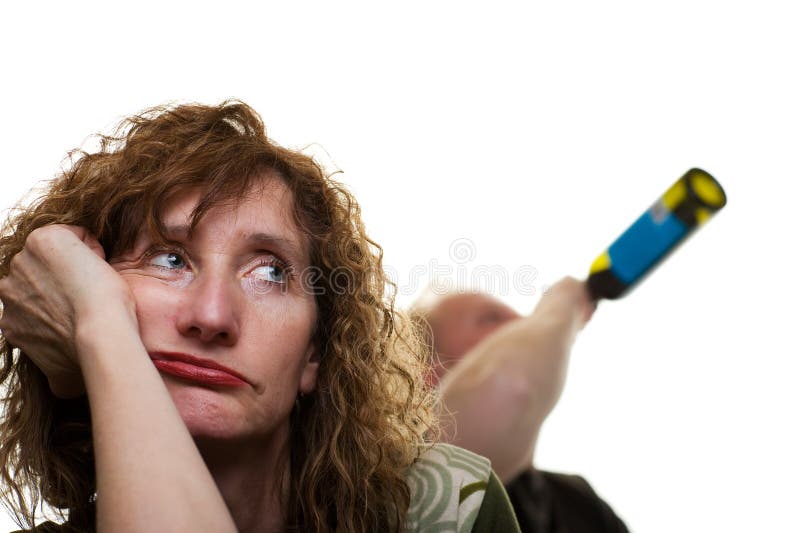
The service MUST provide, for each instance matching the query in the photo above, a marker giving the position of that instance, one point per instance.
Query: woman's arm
(497, 397)
(150, 475)
(73, 315)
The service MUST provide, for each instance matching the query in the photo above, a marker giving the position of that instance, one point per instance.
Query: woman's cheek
(153, 299)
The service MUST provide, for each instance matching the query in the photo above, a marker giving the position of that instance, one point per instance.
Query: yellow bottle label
(603, 262)
(707, 189)
(674, 195)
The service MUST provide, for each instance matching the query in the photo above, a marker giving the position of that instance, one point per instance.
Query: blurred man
(500, 374)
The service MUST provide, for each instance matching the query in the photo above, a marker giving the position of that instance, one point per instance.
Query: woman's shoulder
(453, 489)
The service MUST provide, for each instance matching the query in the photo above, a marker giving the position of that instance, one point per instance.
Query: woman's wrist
(104, 331)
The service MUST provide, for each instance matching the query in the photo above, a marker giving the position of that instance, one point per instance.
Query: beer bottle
(689, 203)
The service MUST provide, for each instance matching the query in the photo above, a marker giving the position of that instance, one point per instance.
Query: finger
(95, 246)
(591, 311)
(53, 236)
(88, 239)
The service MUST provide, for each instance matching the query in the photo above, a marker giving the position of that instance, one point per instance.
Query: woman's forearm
(150, 475)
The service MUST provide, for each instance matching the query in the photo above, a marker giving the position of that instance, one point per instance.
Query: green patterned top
(454, 490)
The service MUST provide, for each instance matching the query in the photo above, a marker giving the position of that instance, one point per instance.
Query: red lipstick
(191, 368)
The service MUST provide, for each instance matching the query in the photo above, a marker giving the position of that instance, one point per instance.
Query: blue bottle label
(645, 242)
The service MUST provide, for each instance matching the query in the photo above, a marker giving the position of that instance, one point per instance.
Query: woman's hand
(57, 280)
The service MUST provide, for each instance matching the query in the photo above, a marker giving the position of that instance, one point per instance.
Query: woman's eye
(168, 260)
(271, 273)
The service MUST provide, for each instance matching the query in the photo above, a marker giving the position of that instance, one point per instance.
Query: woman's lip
(196, 369)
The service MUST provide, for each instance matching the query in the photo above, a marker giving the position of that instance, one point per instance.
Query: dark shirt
(546, 502)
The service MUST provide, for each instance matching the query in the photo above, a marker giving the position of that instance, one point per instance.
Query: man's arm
(497, 397)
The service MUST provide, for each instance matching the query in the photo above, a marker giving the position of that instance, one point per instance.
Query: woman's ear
(308, 379)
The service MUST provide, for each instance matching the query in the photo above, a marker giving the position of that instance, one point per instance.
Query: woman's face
(223, 314)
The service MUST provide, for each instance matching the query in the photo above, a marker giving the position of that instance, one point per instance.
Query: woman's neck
(247, 475)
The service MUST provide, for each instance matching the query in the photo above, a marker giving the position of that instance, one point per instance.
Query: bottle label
(645, 242)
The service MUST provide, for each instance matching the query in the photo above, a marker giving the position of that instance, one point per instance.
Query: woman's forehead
(263, 215)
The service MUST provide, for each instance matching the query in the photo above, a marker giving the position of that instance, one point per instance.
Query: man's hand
(569, 299)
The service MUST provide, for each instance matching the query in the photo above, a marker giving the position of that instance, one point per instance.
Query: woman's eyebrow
(177, 231)
(287, 246)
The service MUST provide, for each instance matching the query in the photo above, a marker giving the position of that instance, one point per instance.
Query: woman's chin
(205, 423)
(207, 413)
(223, 413)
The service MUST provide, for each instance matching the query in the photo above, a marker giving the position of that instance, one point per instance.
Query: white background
(538, 131)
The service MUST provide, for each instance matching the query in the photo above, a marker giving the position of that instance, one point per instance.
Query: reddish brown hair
(365, 423)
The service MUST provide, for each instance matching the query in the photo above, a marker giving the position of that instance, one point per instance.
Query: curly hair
(371, 414)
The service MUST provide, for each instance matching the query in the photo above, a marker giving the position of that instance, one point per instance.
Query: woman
(242, 367)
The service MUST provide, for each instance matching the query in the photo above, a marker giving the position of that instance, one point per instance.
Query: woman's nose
(210, 311)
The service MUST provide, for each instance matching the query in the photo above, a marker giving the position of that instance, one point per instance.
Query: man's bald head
(459, 322)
